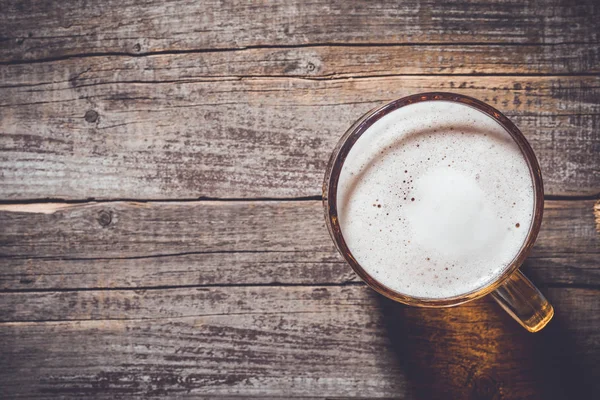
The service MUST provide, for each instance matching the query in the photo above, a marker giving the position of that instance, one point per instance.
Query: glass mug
(511, 289)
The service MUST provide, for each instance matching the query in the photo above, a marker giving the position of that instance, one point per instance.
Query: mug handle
(524, 302)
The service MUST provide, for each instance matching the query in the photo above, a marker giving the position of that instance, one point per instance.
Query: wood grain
(302, 341)
(183, 99)
(129, 245)
(315, 61)
(46, 29)
(255, 137)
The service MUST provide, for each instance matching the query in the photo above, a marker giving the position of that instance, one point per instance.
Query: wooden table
(161, 230)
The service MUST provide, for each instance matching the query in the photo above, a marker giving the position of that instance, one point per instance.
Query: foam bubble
(435, 200)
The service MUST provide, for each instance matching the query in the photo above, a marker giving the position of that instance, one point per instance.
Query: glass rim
(347, 141)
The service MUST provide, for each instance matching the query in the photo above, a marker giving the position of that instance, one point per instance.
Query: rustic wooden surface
(161, 232)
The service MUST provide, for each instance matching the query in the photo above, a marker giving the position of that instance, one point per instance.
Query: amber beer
(436, 199)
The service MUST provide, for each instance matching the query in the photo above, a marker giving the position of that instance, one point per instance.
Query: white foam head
(435, 200)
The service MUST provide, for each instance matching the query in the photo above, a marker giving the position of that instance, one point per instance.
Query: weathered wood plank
(253, 137)
(319, 61)
(127, 245)
(290, 341)
(48, 29)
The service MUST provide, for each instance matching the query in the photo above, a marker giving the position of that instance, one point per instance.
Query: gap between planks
(317, 78)
(49, 205)
(241, 285)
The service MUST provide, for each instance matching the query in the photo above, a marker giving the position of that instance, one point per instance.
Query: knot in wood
(91, 116)
(104, 218)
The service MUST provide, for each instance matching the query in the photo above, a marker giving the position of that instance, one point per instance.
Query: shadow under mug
(511, 289)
